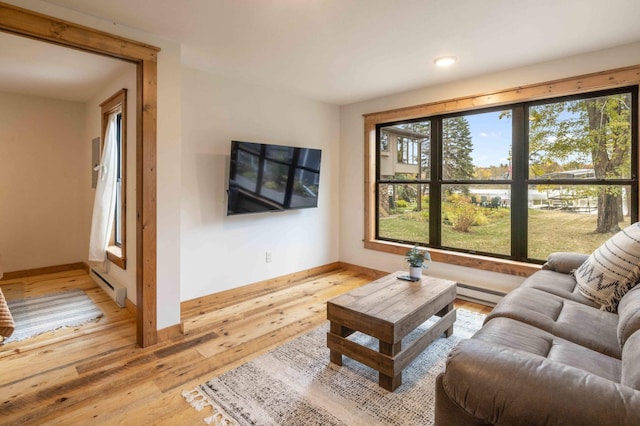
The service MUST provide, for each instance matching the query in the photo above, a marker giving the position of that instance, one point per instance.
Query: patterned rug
(296, 385)
(37, 315)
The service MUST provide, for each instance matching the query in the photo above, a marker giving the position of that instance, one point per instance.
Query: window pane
(584, 217)
(117, 230)
(309, 158)
(305, 189)
(384, 141)
(405, 150)
(280, 153)
(581, 139)
(274, 181)
(248, 166)
(403, 212)
(477, 218)
(477, 147)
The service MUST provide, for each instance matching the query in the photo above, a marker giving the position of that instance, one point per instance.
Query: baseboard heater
(480, 295)
(117, 291)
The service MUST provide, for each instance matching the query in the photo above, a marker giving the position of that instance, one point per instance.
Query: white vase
(415, 272)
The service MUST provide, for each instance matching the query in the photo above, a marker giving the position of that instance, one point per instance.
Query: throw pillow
(611, 270)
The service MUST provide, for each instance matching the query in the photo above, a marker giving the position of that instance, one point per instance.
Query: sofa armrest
(564, 262)
(504, 386)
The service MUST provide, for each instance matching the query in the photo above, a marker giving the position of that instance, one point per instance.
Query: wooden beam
(42, 27)
(568, 86)
(370, 179)
(146, 205)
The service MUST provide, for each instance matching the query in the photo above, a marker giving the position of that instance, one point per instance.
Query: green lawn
(549, 231)
(553, 230)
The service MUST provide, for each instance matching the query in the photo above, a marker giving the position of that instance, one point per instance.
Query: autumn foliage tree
(594, 131)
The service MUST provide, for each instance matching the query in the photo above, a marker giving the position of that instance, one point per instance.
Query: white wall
(352, 152)
(45, 182)
(220, 252)
(168, 152)
(168, 182)
(93, 129)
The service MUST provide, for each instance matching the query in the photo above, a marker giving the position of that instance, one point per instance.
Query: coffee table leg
(442, 313)
(335, 328)
(387, 382)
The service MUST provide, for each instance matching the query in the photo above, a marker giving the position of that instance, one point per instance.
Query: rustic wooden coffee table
(389, 309)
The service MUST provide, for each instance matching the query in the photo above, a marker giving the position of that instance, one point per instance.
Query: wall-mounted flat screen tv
(269, 178)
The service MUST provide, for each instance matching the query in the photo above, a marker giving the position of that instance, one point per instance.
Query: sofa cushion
(612, 269)
(629, 315)
(531, 340)
(560, 284)
(630, 375)
(562, 318)
(564, 262)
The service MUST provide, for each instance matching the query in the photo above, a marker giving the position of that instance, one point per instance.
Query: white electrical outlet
(268, 257)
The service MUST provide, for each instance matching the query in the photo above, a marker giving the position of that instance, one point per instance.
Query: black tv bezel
(252, 198)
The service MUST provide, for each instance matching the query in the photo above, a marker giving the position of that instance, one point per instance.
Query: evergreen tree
(457, 147)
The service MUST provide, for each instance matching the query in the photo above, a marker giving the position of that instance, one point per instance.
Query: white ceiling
(344, 51)
(43, 69)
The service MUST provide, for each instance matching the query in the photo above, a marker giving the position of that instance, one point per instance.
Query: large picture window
(515, 182)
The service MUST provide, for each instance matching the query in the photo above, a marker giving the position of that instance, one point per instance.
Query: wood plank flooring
(96, 374)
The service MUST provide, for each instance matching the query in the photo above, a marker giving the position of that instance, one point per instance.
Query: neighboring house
(401, 151)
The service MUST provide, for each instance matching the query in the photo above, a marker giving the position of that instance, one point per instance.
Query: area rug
(295, 384)
(37, 315)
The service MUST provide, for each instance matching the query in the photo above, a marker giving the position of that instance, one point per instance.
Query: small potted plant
(416, 259)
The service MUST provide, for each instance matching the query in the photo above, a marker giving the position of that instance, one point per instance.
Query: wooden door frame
(45, 28)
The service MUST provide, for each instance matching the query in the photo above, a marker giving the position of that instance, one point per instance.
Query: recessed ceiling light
(445, 61)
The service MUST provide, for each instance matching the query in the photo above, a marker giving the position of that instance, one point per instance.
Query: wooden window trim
(118, 103)
(569, 86)
(48, 29)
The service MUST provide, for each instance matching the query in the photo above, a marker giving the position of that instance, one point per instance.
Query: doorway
(52, 30)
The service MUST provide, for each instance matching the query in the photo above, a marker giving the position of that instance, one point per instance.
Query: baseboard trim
(255, 289)
(375, 273)
(130, 306)
(170, 332)
(45, 270)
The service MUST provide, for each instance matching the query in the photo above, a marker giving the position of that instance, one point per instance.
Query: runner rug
(37, 315)
(295, 384)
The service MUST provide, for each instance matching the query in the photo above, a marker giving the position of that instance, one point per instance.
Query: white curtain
(104, 203)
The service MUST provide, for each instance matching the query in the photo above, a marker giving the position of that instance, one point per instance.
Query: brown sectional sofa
(546, 355)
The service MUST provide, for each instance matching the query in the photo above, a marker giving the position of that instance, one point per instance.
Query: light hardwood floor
(96, 374)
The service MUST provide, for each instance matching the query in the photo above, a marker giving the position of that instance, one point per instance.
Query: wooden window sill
(486, 263)
(114, 254)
